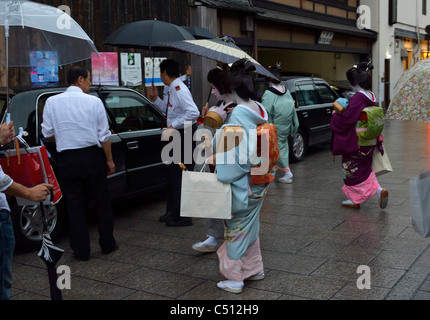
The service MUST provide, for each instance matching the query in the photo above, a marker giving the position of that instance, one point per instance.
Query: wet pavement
(312, 247)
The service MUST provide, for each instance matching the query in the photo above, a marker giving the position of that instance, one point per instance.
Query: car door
(311, 112)
(327, 97)
(138, 125)
(34, 137)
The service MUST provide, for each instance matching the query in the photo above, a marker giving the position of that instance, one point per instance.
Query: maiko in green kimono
(281, 110)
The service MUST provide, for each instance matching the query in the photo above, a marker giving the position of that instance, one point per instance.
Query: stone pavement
(311, 246)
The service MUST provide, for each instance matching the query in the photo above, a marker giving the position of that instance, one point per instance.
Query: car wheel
(298, 146)
(28, 226)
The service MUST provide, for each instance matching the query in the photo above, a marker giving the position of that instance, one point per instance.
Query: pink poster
(105, 68)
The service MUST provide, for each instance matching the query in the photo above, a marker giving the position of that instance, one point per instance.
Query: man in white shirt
(7, 237)
(78, 124)
(179, 107)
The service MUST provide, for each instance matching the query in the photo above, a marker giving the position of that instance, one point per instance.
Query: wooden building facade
(99, 18)
(293, 32)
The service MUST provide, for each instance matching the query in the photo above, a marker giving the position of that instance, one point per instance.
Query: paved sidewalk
(311, 246)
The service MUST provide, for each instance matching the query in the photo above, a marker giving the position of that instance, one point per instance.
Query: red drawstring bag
(30, 166)
(23, 166)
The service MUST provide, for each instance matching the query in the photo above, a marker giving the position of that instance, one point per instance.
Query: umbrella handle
(207, 100)
(6, 35)
(209, 95)
(42, 211)
(205, 109)
(153, 68)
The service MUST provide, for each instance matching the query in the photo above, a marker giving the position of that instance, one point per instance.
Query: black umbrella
(146, 34)
(199, 32)
(50, 254)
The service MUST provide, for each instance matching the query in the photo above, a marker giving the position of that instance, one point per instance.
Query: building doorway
(387, 84)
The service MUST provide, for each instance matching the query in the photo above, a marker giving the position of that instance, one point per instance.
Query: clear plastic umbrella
(30, 26)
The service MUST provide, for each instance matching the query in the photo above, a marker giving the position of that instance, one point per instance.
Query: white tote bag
(204, 196)
(420, 203)
(381, 163)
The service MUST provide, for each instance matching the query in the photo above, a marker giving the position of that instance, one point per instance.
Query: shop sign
(326, 37)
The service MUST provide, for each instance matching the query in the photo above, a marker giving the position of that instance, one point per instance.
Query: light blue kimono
(234, 167)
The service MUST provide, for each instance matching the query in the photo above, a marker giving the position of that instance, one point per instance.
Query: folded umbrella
(50, 254)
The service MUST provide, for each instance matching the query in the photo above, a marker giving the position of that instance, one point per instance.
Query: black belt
(80, 150)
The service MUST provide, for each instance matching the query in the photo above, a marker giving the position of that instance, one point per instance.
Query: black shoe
(81, 257)
(182, 222)
(167, 216)
(116, 247)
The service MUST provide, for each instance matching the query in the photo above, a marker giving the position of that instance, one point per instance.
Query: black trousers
(174, 178)
(82, 176)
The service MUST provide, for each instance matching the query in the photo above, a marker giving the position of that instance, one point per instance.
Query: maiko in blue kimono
(240, 255)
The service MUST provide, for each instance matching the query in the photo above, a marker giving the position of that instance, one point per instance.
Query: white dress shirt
(76, 119)
(5, 182)
(181, 105)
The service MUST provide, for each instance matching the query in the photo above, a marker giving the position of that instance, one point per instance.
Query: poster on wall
(152, 72)
(43, 68)
(105, 68)
(131, 69)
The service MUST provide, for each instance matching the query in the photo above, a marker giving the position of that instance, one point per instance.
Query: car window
(131, 113)
(306, 95)
(31, 124)
(299, 97)
(325, 93)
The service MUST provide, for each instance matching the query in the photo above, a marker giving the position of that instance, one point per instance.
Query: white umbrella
(38, 27)
(221, 49)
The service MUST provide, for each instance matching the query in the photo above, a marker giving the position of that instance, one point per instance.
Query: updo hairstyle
(241, 78)
(219, 78)
(276, 71)
(361, 75)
